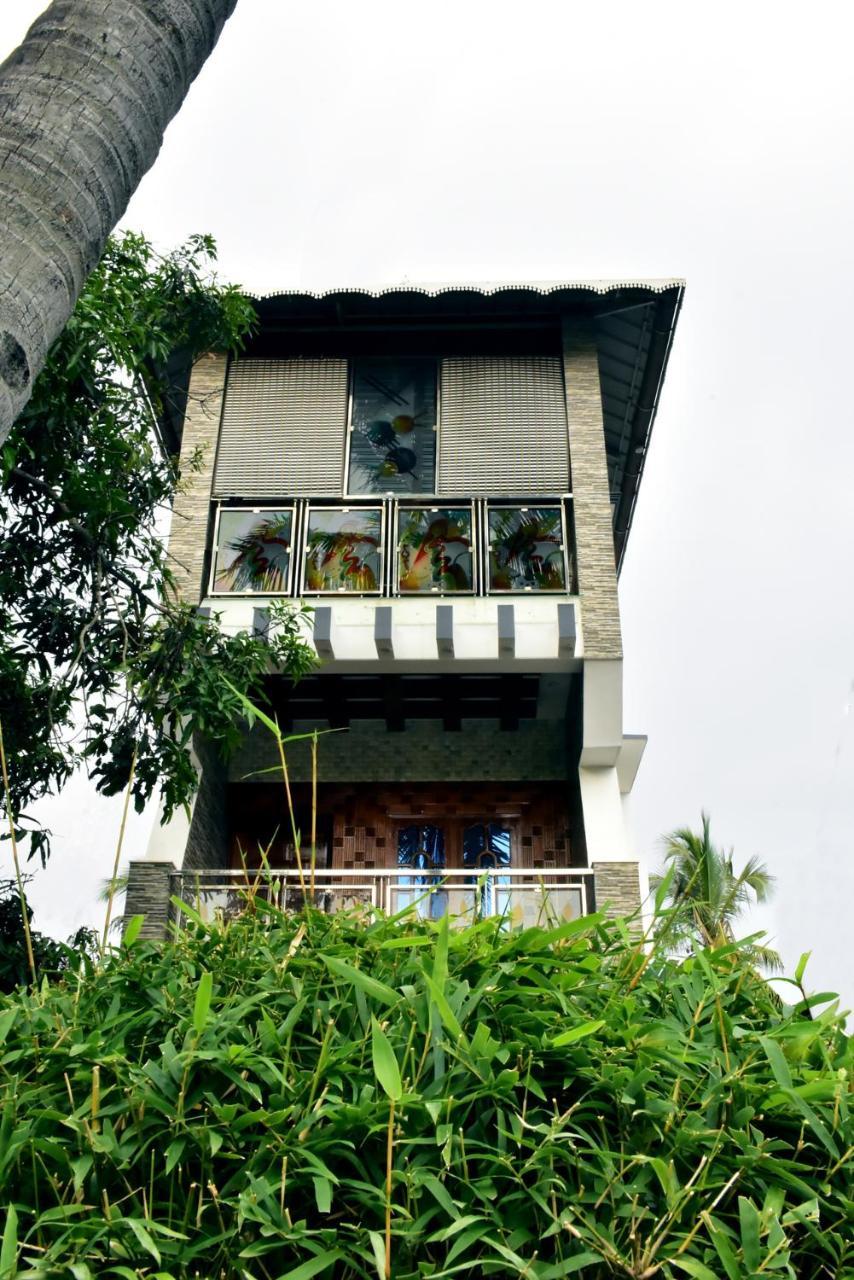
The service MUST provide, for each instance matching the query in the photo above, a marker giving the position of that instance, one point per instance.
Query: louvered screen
(503, 426)
(283, 429)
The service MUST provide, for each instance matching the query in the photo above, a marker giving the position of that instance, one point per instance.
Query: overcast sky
(328, 143)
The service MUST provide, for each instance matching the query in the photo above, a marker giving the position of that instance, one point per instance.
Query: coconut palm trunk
(84, 103)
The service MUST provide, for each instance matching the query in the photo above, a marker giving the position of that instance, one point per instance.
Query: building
(448, 476)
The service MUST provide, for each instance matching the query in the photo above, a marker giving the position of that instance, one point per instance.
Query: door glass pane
(393, 437)
(343, 549)
(526, 549)
(422, 848)
(488, 845)
(434, 550)
(253, 551)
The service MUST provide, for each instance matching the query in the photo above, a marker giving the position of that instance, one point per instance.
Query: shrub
(329, 1096)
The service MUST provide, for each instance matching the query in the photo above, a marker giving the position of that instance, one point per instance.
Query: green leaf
(378, 1246)
(9, 1246)
(748, 1217)
(370, 986)
(779, 1065)
(800, 968)
(203, 1002)
(314, 1266)
(143, 1237)
(693, 1268)
(578, 1033)
(446, 1013)
(322, 1194)
(253, 712)
(132, 931)
(724, 1249)
(386, 1069)
(7, 1018)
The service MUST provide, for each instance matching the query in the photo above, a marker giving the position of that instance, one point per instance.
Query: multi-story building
(448, 477)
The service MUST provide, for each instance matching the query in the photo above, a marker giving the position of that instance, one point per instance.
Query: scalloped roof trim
(485, 290)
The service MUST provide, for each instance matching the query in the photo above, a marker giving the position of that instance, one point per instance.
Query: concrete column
(188, 537)
(148, 893)
(591, 498)
(617, 887)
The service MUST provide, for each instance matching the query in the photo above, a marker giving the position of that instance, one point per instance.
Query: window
(253, 551)
(488, 845)
(422, 848)
(343, 549)
(393, 427)
(526, 549)
(434, 549)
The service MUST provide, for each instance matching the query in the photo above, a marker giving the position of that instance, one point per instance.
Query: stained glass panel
(526, 549)
(344, 550)
(253, 552)
(393, 437)
(434, 550)
(487, 845)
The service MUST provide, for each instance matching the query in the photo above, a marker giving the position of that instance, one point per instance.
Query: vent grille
(283, 428)
(503, 426)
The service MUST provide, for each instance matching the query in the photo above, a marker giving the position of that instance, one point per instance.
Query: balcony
(392, 547)
(520, 896)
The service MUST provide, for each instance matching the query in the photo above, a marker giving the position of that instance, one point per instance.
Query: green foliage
(97, 659)
(708, 893)
(52, 958)
(563, 1101)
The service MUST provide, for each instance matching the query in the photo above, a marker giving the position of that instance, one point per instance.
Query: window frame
(406, 505)
(312, 506)
(558, 504)
(224, 508)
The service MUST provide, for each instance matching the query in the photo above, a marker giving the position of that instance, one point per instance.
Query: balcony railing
(393, 547)
(522, 896)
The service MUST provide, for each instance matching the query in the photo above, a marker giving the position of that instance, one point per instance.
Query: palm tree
(707, 893)
(84, 102)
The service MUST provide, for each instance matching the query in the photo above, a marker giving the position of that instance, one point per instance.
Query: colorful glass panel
(434, 550)
(526, 549)
(253, 551)
(344, 550)
(393, 437)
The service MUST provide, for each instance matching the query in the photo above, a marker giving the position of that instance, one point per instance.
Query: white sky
(328, 143)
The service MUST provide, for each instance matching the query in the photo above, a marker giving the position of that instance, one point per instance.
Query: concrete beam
(445, 630)
(506, 630)
(566, 630)
(383, 637)
(323, 631)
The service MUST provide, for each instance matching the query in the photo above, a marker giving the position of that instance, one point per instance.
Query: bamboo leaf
(203, 1002)
(132, 930)
(314, 1266)
(385, 1065)
(748, 1217)
(9, 1246)
(779, 1065)
(363, 981)
(578, 1033)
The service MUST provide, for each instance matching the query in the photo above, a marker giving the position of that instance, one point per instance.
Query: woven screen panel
(503, 426)
(284, 425)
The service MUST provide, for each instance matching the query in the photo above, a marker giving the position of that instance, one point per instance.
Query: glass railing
(393, 547)
(523, 897)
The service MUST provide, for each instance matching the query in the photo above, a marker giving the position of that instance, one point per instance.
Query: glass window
(434, 549)
(344, 549)
(253, 551)
(526, 549)
(422, 848)
(487, 845)
(393, 427)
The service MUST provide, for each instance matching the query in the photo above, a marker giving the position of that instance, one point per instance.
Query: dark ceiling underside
(337, 699)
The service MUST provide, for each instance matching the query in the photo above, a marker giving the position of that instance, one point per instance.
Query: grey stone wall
(617, 887)
(207, 846)
(591, 498)
(191, 509)
(148, 893)
(425, 752)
